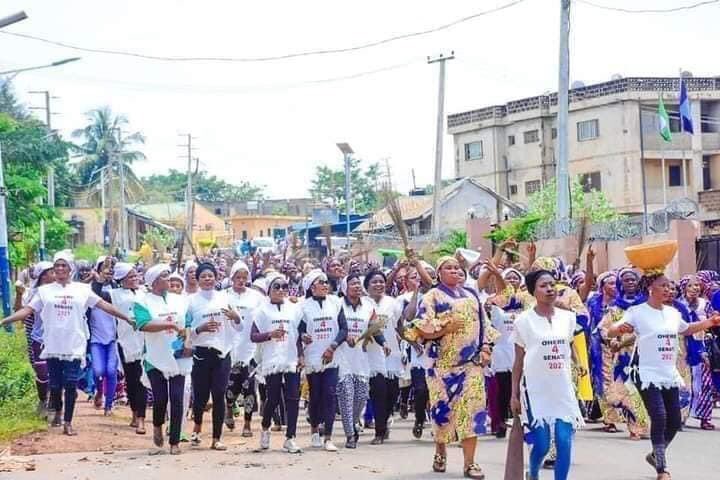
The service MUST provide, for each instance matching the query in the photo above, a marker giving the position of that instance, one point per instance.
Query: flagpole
(682, 148)
(662, 164)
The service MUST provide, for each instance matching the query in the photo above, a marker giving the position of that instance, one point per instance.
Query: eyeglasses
(321, 282)
(281, 286)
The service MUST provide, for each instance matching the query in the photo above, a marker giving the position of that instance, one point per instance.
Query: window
(591, 181)
(244, 234)
(553, 132)
(269, 233)
(511, 140)
(218, 211)
(675, 176)
(588, 130)
(531, 136)
(473, 151)
(532, 186)
(513, 189)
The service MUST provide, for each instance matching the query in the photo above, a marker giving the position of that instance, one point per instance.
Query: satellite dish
(687, 74)
(616, 76)
(577, 84)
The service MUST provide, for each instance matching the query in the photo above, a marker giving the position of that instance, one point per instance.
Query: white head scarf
(237, 267)
(66, 256)
(39, 269)
(272, 278)
(121, 271)
(311, 277)
(510, 270)
(153, 273)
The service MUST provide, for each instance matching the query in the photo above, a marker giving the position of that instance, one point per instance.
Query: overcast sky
(262, 122)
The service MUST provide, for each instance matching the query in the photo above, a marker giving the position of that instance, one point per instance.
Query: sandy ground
(107, 449)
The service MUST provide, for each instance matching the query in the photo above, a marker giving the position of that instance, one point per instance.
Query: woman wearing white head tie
(325, 328)
(191, 281)
(276, 327)
(62, 305)
(241, 384)
(161, 316)
(131, 342)
(215, 326)
(354, 369)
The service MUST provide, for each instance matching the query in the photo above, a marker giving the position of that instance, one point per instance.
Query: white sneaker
(330, 446)
(315, 441)
(265, 439)
(291, 447)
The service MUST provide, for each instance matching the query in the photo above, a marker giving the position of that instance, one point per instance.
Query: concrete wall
(611, 255)
(454, 211)
(92, 221)
(257, 226)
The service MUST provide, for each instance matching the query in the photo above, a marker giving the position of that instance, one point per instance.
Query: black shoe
(377, 441)
(403, 411)
(502, 433)
(356, 437)
(57, 421)
(351, 442)
(650, 458)
(387, 435)
(417, 430)
(549, 464)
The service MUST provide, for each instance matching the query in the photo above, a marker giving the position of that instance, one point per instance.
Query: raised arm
(18, 316)
(584, 291)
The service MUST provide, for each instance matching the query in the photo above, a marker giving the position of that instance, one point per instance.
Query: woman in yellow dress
(451, 318)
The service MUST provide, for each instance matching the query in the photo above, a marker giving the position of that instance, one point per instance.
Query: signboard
(325, 215)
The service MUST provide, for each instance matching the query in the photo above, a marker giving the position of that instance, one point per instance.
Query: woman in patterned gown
(451, 317)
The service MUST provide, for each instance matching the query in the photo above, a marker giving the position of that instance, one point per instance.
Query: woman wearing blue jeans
(103, 339)
(542, 384)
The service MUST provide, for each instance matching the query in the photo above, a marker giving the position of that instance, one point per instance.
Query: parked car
(263, 245)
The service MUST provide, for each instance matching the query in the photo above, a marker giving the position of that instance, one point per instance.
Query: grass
(18, 397)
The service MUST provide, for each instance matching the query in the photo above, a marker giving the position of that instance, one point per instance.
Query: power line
(287, 56)
(650, 10)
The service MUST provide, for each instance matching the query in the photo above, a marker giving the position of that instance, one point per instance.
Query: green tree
(592, 205)
(329, 185)
(28, 151)
(206, 188)
(102, 138)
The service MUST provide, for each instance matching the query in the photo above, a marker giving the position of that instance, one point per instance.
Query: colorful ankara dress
(455, 382)
(620, 401)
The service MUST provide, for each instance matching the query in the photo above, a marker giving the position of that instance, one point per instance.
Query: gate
(707, 252)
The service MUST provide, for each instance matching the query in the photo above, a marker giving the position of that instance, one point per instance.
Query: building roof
(613, 87)
(418, 207)
(161, 211)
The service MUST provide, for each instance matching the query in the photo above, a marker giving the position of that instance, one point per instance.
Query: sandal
(474, 471)
(610, 428)
(706, 425)
(664, 476)
(439, 463)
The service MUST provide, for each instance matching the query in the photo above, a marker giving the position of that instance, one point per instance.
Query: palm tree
(102, 139)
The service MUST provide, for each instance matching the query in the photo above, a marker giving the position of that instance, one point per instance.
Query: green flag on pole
(663, 122)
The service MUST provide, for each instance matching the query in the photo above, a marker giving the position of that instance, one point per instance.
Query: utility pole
(122, 228)
(437, 190)
(189, 199)
(105, 238)
(51, 171)
(562, 169)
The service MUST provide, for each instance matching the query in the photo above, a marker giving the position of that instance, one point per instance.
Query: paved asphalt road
(695, 454)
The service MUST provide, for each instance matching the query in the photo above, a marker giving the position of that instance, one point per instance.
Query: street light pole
(562, 169)
(4, 262)
(347, 151)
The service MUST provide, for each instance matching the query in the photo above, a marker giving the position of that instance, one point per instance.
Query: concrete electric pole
(51, 171)
(562, 170)
(437, 189)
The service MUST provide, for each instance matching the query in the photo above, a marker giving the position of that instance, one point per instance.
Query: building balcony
(711, 142)
(653, 142)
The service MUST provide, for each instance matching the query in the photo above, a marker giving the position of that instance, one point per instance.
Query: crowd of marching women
(465, 345)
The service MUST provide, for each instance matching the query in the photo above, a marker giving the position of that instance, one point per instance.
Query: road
(695, 454)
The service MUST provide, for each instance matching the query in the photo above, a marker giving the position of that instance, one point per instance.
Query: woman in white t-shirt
(385, 360)
(215, 327)
(62, 306)
(658, 329)
(542, 383)
(276, 327)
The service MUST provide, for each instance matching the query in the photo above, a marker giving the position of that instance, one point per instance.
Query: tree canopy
(28, 150)
(329, 185)
(206, 188)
